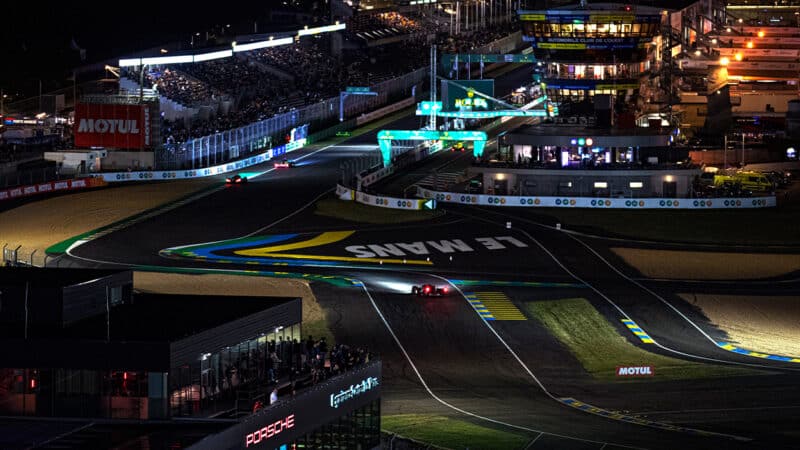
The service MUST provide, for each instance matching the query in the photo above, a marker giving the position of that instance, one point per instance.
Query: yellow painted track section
(500, 306)
(328, 237)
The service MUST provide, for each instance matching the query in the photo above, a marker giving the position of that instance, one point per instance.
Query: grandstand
(208, 97)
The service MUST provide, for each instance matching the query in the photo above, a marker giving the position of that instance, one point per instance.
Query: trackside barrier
(115, 177)
(344, 193)
(597, 203)
(51, 186)
(390, 202)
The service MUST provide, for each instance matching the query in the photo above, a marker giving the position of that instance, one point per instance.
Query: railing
(17, 255)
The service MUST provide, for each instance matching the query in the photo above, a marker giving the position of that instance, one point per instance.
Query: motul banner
(112, 126)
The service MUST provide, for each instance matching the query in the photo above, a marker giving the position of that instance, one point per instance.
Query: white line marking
(624, 314)
(539, 383)
(455, 408)
(664, 301)
(530, 444)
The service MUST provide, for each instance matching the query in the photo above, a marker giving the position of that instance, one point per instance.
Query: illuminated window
(601, 185)
(636, 184)
(565, 184)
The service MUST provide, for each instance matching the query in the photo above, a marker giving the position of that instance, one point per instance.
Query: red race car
(429, 290)
(236, 179)
(285, 164)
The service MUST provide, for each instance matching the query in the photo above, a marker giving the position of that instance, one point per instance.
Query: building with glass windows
(608, 70)
(92, 349)
(86, 363)
(599, 49)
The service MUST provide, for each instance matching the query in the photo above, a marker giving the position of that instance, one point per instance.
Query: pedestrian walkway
(441, 180)
(494, 306)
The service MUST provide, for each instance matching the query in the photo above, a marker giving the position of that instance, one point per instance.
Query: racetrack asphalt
(458, 355)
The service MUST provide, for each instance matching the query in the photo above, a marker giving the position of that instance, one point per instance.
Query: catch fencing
(247, 140)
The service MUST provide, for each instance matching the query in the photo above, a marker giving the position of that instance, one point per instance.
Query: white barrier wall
(410, 204)
(114, 177)
(599, 203)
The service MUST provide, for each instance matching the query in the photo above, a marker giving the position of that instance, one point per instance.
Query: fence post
(16, 254)
(45, 260)
(31, 257)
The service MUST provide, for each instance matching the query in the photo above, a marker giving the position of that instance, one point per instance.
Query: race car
(285, 164)
(458, 147)
(236, 179)
(428, 290)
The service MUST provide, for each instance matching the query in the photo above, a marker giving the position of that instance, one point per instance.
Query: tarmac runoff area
(762, 323)
(39, 224)
(688, 265)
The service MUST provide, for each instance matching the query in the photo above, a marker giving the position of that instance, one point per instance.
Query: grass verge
(758, 226)
(356, 212)
(451, 433)
(601, 349)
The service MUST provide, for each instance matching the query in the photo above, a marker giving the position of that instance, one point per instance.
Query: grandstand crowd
(262, 83)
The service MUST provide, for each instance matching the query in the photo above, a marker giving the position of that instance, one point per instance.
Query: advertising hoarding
(112, 126)
(460, 95)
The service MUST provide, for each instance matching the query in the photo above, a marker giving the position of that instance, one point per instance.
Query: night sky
(36, 37)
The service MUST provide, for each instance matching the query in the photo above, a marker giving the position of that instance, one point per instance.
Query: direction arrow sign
(430, 204)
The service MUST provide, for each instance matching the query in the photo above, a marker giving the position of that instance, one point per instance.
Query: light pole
(741, 161)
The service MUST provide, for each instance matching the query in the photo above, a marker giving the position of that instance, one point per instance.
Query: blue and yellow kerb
(635, 329)
(732, 348)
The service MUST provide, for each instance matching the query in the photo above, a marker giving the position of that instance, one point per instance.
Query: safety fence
(114, 177)
(20, 256)
(596, 203)
(242, 141)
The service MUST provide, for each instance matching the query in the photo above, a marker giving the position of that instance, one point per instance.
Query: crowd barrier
(597, 203)
(381, 201)
(50, 186)
(114, 177)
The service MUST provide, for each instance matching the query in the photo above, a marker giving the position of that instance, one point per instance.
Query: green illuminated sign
(385, 138)
(357, 89)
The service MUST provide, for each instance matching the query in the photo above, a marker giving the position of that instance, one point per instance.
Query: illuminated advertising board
(278, 426)
(461, 95)
(576, 43)
(112, 126)
(604, 17)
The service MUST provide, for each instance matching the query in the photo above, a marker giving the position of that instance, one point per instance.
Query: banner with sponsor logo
(112, 126)
(51, 186)
(598, 203)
